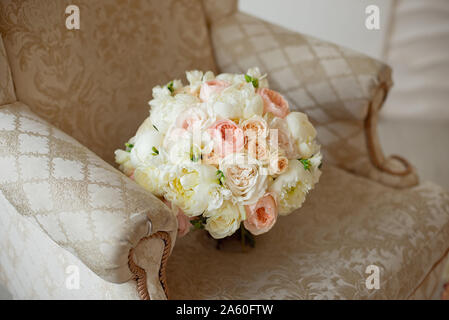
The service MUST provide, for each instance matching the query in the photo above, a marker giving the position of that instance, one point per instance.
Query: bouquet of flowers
(224, 152)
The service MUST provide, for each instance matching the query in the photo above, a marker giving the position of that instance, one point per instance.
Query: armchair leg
(140, 274)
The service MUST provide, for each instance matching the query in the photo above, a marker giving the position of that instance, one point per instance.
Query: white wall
(339, 21)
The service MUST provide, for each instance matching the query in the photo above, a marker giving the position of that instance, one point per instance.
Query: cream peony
(225, 220)
(303, 133)
(153, 178)
(281, 137)
(193, 187)
(244, 176)
(253, 107)
(123, 159)
(291, 187)
(167, 108)
(146, 146)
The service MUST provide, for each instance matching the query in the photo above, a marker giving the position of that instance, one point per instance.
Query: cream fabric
(82, 203)
(322, 250)
(432, 286)
(32, 266)
(94, 83)
(335, 86)
(218, 9)
(7, 94)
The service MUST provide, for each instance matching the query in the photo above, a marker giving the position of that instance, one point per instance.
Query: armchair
(62, 204)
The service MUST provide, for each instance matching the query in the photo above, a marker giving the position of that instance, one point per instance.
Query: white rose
(245, 177)
(190, 188)
(224, 221)
(291, 187)
(146, 146)
(303, 133)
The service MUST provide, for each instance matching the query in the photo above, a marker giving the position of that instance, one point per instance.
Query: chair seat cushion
(322, 251)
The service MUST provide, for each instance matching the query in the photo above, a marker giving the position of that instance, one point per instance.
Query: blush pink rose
(183, 221)
(227, 136)
(261, 217)
(273, 102)
(211, 87)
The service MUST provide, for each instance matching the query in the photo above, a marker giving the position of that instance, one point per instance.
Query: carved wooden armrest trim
(140, 274)
(375, 152)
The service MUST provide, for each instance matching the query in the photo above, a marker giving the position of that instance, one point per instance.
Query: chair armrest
(81, 202)
(341, 90)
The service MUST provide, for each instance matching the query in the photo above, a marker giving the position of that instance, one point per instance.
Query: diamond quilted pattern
(81, 202)
(335, 86)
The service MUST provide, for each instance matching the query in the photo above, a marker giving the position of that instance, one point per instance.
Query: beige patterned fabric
(32, 266)
(94, 83)
(7, 94)
(322, 250)
(433, 285)
(81, 202)
(337, 87)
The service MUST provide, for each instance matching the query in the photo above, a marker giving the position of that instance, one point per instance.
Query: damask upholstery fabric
(7, 94)
(218, 9)
(78, 200)
(335, 86)
(433, 285)
(322, 250)
(94, 83)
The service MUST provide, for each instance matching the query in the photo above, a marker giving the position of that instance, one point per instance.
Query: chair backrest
(7, 94)
(94, 82)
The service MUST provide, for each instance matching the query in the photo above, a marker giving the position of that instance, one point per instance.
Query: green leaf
(220, 177)
(128, 146)
(306, 163)
(155, 151)
(199, 223)
(254, 81)
(170, 87)
(193, 156)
